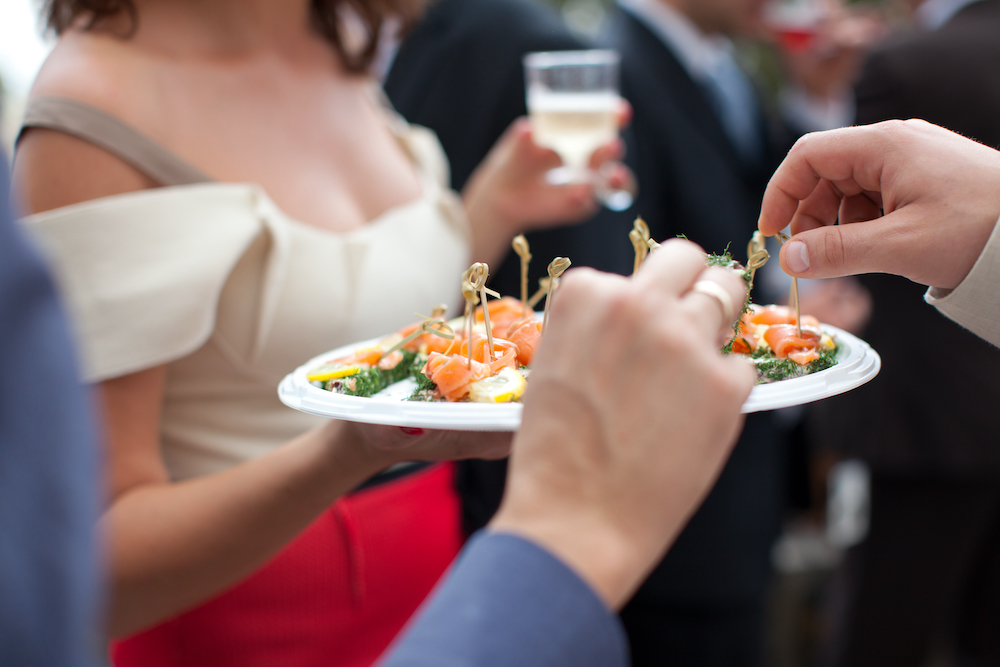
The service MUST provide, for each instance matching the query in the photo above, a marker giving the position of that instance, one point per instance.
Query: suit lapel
(657, 67)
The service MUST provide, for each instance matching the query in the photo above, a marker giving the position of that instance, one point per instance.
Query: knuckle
(833, 247)
(800, 144)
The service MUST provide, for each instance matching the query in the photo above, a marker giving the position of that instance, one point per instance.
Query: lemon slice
(826, 343)
(331, 372)
(505, 386)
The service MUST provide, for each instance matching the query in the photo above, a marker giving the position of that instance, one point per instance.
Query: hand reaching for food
(629, 372)
(937, 190)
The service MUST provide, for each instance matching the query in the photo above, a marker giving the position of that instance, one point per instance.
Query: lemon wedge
(331, 372)
(505, 386)
(826, 342)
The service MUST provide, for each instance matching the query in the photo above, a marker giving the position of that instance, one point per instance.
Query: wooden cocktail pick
(434, 324)
(478, 275)
(639, 236)
(471, 295)
(543, 288)
(520, 245)
(640, 247)
(757, 255)
(793, 297)
(556, 269)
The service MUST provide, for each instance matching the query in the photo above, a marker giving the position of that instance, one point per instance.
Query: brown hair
(60, 15)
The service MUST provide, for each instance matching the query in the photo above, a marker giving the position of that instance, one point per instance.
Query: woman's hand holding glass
(511, 191)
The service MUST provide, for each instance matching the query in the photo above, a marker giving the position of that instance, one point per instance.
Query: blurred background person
(704, 151)
(702, 146)
(223, 194)
(460, 73)
(925, 582)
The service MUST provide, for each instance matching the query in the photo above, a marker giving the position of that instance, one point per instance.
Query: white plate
(857, 363)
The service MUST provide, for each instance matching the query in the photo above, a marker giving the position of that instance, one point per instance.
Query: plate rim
(859, 367)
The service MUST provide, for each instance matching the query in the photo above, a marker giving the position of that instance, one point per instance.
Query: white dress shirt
(708, 60)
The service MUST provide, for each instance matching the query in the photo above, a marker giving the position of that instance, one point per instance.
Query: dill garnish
(372, 380)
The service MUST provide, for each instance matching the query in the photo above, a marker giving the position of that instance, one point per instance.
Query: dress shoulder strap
(105, 131)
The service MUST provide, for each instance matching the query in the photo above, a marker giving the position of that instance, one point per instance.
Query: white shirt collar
(933, 14)
(697, 52)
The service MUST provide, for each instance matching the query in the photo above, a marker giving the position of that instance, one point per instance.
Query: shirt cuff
(975, 303)
(510, 602)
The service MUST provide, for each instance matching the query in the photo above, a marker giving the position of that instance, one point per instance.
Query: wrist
(579, 525)
(588, 545)
(344, 447)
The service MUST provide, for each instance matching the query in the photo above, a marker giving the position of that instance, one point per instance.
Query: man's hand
(939, 191)
(630, 413)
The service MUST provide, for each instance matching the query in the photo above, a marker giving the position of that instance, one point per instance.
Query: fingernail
(797, 257)
(408, 430)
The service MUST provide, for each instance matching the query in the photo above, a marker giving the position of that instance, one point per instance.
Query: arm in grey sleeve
(975, 303)
(509, 602)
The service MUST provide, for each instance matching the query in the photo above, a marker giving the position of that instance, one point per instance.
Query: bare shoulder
(53, 169)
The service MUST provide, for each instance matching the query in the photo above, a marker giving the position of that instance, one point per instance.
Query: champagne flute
(573, 104)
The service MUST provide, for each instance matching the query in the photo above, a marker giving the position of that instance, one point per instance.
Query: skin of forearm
(491, 232)
(172, 545)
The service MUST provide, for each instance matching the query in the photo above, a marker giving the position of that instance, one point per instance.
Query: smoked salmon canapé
(435, 354)
(778, 347)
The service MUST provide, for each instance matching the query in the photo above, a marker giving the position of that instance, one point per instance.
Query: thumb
(850, 249)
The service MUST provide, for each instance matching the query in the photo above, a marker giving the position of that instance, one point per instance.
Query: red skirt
(335, 597)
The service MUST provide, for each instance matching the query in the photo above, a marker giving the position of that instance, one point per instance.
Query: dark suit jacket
(930, 410)
(693, 183)
(49, 583)
(460, 74)
(461, 68)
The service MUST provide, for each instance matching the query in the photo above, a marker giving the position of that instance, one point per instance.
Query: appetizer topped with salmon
(781, 343)
(779, 348)
(483, 356)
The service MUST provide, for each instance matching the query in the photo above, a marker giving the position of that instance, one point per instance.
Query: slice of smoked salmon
(503, 312)
(452, 374)
(526, 334)
(785, 342)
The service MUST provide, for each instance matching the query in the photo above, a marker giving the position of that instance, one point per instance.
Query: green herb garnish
(372, 380)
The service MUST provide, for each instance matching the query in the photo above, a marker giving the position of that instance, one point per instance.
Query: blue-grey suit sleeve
(509, 602)
(49, 583)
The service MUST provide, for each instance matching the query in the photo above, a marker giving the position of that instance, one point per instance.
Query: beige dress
(218, 283)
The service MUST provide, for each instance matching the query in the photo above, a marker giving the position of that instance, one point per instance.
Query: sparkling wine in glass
(573, 103)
